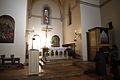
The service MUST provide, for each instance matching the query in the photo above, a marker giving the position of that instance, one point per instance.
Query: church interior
(57, 39)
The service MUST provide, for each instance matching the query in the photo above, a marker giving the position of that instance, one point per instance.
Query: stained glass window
(69, 16)
(46, 13)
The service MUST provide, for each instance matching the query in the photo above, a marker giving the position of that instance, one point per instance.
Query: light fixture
(75, 39)
(77, 34)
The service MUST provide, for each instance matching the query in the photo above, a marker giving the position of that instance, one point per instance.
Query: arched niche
(36, 42)
(7, 25)
(55, 41)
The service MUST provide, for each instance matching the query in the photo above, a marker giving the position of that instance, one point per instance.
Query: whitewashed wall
(90, 18)
(69, 30)
(56, 24)
(17, 9)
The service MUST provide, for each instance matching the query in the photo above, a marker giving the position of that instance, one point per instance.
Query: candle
(75, 31)
(33, 28)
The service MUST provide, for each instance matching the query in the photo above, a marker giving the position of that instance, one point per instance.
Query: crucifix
(46, 29)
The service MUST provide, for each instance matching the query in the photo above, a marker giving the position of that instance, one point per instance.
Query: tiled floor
(21, 74)
(10, 74)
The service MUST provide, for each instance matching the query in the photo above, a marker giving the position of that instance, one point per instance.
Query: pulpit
(33, 62)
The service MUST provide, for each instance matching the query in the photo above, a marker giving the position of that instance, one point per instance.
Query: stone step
(47, 76)
(60, 63)
(52, 62)
(60, 68)
(60, 71)
(53, 68)
(58, 74)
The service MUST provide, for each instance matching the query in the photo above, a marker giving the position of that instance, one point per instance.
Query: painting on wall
(7, 26)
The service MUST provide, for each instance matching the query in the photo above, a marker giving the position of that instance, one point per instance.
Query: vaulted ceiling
(60, 3)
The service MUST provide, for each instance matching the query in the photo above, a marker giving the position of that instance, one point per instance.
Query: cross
(46, 29)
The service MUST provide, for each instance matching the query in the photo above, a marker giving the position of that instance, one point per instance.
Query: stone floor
(58, 71)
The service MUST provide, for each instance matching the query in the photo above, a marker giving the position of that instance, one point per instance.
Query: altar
(56, 53)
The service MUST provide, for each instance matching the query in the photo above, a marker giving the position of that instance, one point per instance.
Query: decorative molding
(89, 4)
(94, 5)
(104, 3)
(42, 17)
(37, 16)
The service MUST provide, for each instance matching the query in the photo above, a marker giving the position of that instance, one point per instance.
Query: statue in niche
(55, 41)
(7, 25)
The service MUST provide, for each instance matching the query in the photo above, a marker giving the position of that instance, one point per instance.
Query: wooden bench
(13, 60)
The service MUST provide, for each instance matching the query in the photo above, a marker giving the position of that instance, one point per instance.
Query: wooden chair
(12, 58)
(1, 59)
(2, 56)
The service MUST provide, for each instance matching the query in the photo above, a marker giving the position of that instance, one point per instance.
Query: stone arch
(55, 41)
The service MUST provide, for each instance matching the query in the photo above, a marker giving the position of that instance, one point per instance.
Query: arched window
(46, 15)
(55, 41)
(69, 16)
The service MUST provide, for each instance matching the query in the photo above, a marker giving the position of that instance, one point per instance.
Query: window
(46, 15)
(69, 16)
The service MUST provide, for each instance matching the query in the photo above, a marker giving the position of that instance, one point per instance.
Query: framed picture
(7, 25)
